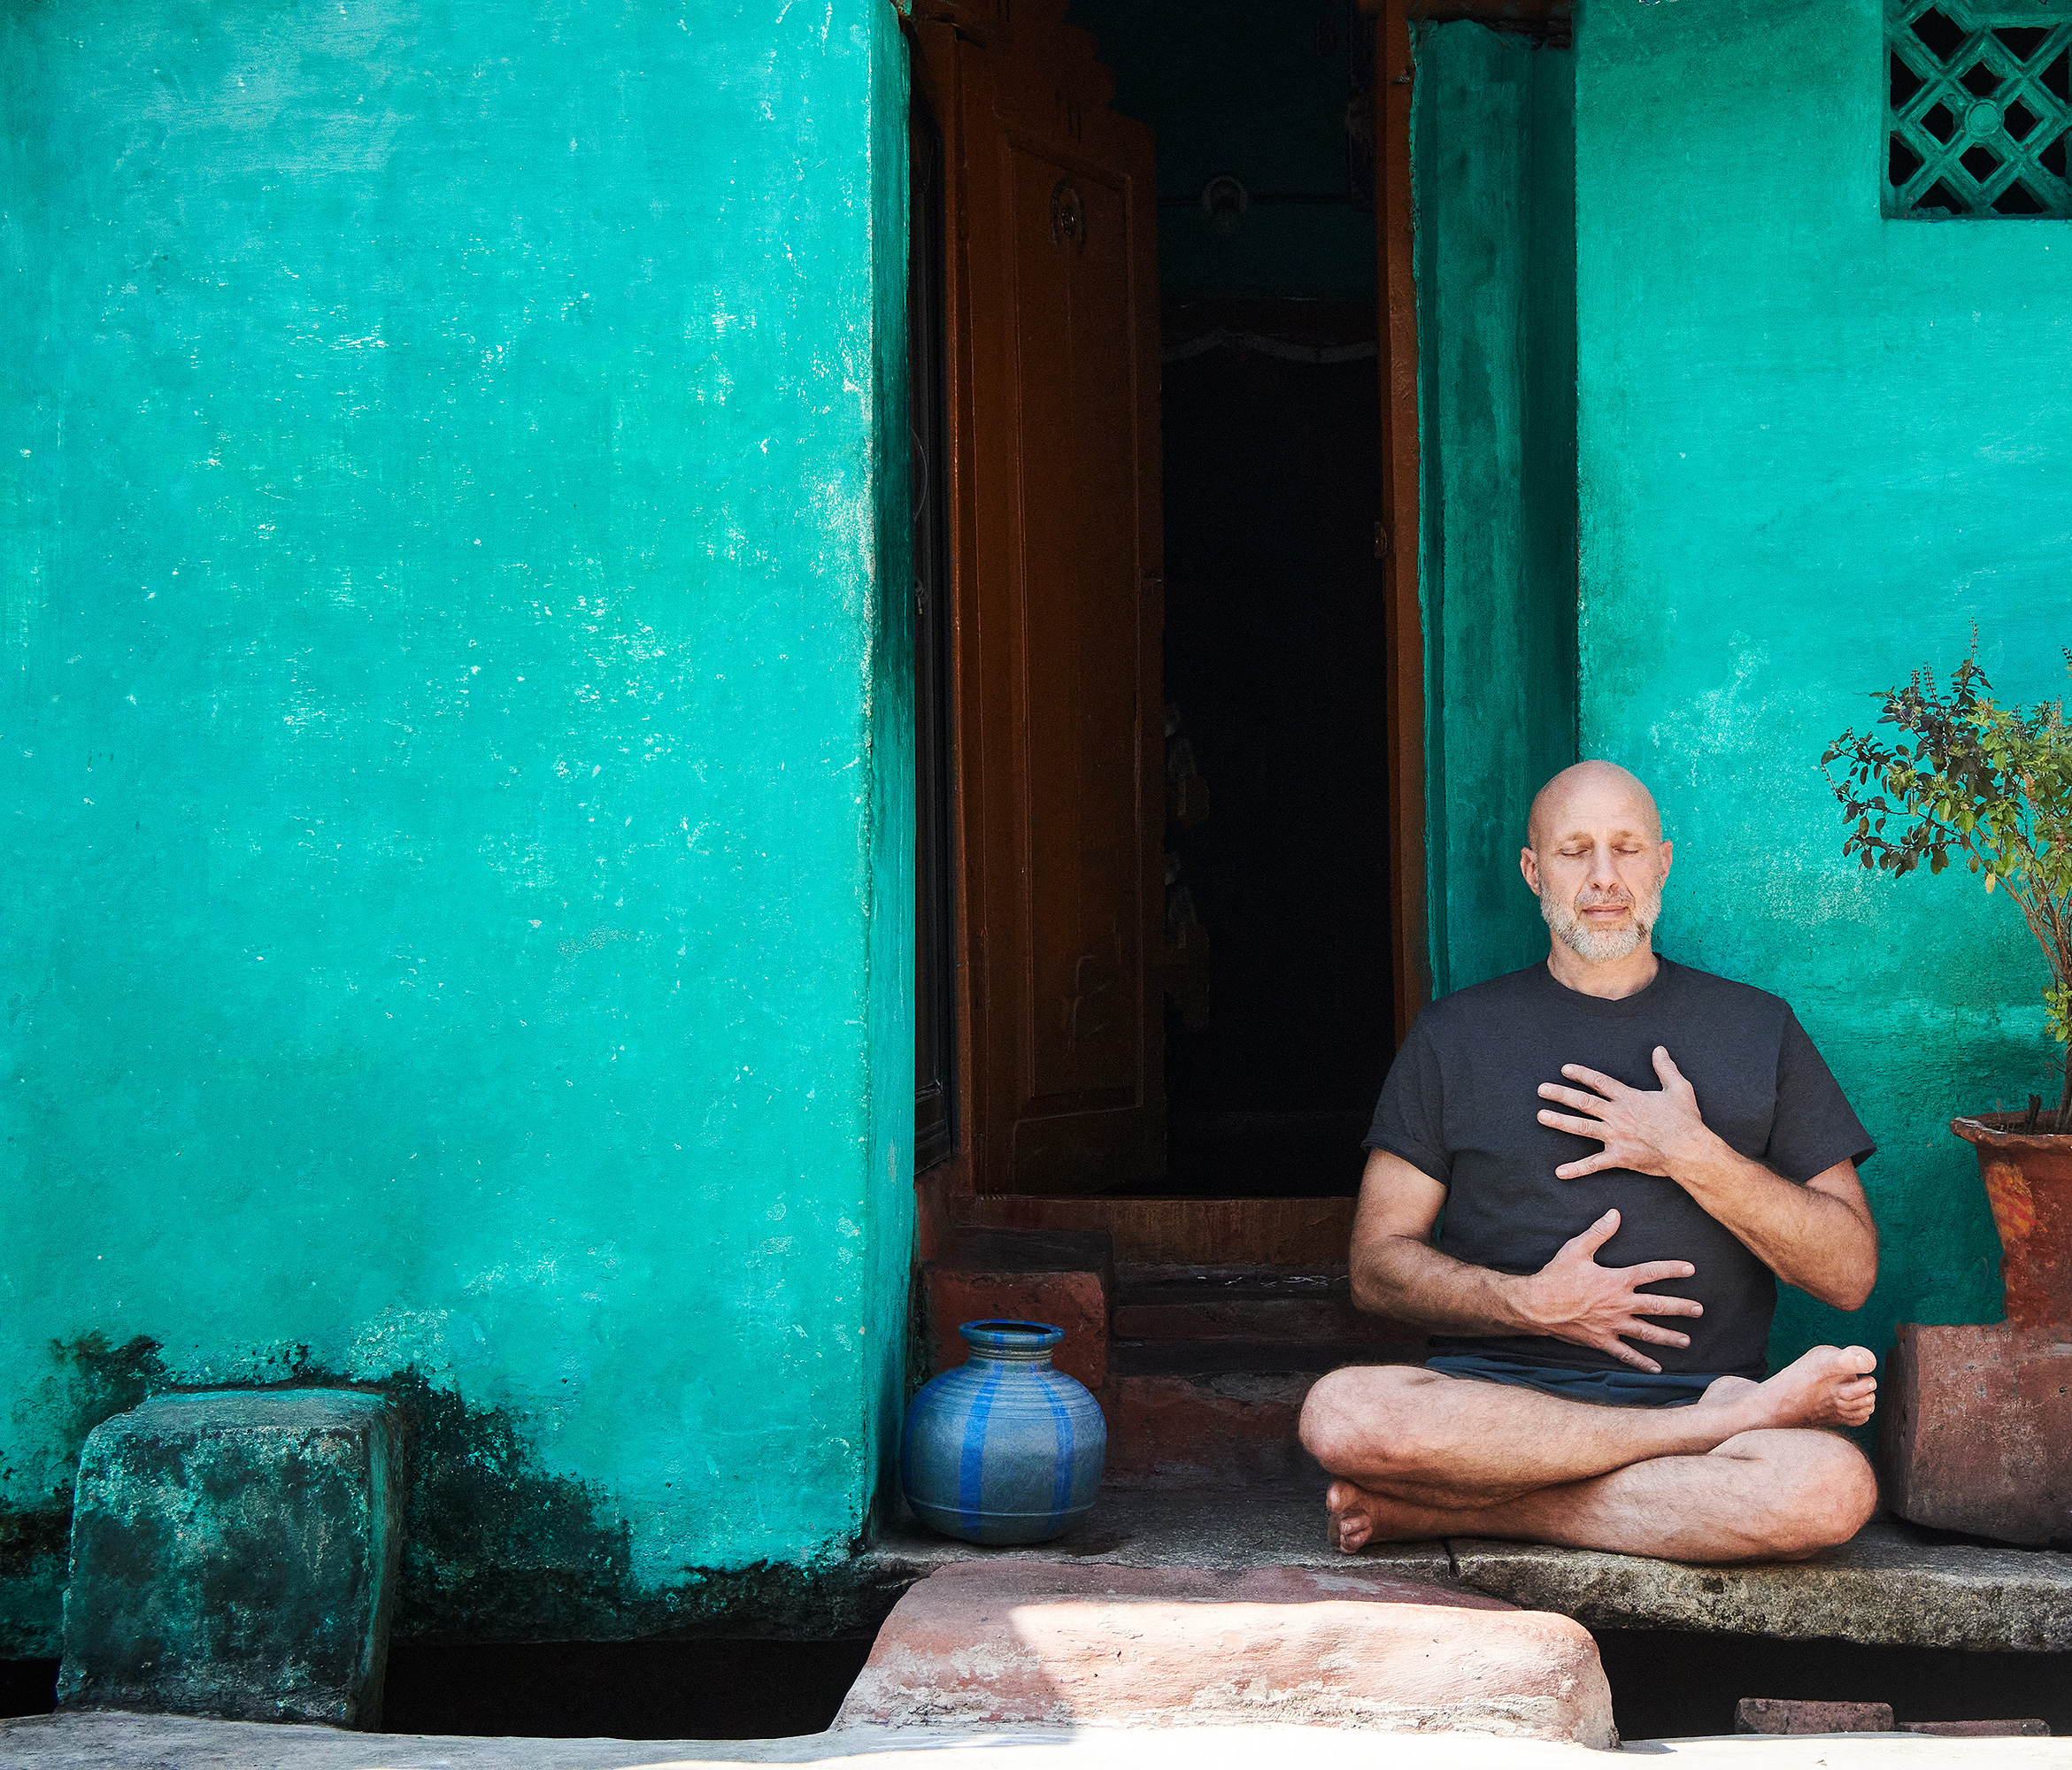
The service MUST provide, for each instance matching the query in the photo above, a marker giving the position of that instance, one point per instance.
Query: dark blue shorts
(1604, 1389)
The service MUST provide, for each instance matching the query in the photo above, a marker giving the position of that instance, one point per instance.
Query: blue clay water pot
(1003, 1449)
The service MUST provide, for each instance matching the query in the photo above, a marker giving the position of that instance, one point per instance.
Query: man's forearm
(1413, 1280)
(1820, 1243)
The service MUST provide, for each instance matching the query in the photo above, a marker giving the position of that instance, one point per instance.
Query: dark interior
(1273, 641)
(1274, 635)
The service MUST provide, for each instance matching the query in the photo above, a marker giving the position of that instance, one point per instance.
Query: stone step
(1201, 1370)
(1895, 1586)
(1221, 1413)
(1035, 1645)
(1292, 1319)
(1234, 1431)
(1232, 1356)
(1246, 1303)
(1218, 1413)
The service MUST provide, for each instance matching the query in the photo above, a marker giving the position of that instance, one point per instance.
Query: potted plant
(1965, 776)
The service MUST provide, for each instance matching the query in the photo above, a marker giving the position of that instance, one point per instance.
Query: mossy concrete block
(234, 1553)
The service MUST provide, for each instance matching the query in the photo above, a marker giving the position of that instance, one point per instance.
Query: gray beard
(1605, 947)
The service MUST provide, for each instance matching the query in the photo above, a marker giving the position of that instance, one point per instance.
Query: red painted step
(1214, 1410)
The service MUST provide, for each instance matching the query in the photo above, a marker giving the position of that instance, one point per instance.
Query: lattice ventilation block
(1978, 112)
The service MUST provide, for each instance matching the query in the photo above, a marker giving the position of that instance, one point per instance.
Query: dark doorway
(1279, 1013)
(1225, 154)
(1274, 632)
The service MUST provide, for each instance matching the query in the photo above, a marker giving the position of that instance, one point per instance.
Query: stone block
(233, 1553)
(1772, 1714)
(1067, 1278)
(1051, 1645)
(1977, 1431)
(1981, 1729)
(1886, 1587)
(1233, 1430)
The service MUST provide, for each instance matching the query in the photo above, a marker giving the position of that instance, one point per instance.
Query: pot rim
(1010, 1335)
(1992, 1129)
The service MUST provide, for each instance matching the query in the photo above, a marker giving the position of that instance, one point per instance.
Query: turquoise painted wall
(1492, 157)
(1817, 446)
(457, 921)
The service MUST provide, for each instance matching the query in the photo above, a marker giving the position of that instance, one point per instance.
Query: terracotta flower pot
(2029, 1183)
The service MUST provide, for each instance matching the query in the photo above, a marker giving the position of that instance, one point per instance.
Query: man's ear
(1669, 855)
(1528, 865)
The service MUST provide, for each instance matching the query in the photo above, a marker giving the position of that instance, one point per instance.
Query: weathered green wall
(457, 911)
(1493, 134)
(1817, 446)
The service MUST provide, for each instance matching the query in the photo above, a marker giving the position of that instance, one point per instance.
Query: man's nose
(1604, 872)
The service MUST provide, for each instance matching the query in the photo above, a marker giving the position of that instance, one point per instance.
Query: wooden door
(1060, 723)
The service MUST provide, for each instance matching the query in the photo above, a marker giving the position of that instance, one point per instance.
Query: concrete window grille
(1978, 109)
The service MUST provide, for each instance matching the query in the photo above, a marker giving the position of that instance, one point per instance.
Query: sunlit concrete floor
(118, 1742)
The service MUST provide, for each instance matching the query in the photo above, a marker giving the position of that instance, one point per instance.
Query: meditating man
(1628, 1154)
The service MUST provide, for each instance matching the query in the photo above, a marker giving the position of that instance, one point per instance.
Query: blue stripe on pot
(1005, 1447)
(1062, 1482)
(971, 1466)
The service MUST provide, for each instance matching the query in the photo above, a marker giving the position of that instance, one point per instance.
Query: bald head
(1592, 795)
(1596, 860)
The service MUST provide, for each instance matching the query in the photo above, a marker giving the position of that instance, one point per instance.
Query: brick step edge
(1207, 1358)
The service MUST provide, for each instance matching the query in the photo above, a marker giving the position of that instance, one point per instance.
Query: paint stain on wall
(91, 1379)
(497, 1546)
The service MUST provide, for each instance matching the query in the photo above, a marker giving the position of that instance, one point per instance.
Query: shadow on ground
(1668, 1685)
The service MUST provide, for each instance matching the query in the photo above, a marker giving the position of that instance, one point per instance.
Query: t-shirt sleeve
(1813, 1126)
(1410, 1118)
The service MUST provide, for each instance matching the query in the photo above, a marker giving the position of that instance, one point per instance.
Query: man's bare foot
(1349, 1524)
(1358, 1517)
(1828, 1386)
(1722, 1390)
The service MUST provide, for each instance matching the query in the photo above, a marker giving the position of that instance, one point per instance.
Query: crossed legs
(1744, 1474)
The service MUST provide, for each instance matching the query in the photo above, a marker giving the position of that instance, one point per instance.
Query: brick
(233, 1553)
(1772, 1714)
(1981, 1729)
(1236, 1430)
(1050, 1644)
(1066, 1279)
(1977, 1431)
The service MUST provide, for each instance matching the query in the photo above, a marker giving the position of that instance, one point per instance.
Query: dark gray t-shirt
(1461, 1104)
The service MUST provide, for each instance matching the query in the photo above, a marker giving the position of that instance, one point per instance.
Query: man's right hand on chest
(1573, 1298)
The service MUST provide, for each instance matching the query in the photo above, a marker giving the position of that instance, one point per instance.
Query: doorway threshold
(1295, 1235)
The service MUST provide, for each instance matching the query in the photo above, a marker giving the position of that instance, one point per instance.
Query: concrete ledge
(1183, 1527)
(1893, 1587)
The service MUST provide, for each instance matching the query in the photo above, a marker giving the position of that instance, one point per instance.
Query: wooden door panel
(1059, 619)
(1078, 674)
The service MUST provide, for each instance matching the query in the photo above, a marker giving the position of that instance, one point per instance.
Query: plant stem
(2065, 1095)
